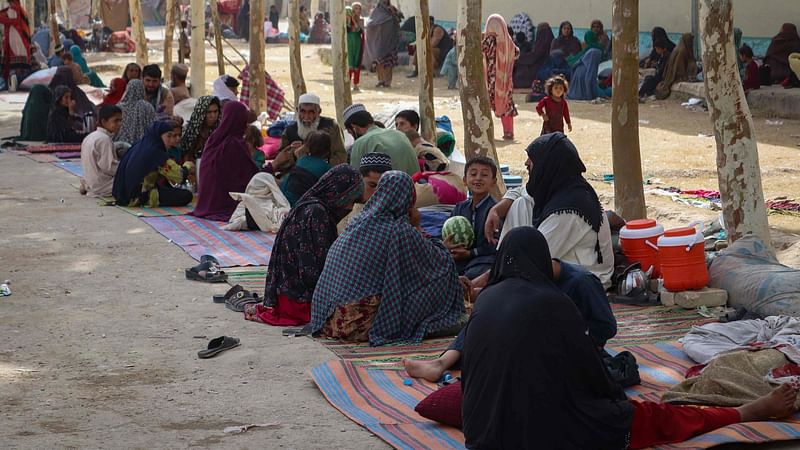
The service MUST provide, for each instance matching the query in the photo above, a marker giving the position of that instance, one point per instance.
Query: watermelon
(461, 231)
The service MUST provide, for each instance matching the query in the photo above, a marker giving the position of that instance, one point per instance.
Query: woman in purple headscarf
(227, 165)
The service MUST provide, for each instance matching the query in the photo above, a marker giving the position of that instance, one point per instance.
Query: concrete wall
(757, 18)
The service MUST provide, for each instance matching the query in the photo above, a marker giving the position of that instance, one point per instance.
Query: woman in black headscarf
(63, 77)
(657, 35)
(556, 393)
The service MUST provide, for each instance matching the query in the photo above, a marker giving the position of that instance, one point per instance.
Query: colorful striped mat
(199, 237)
(378, 400)
(161, 211)
(635, 324)
(73, 167)
(38, 157)
(68, 155)
(251, 278)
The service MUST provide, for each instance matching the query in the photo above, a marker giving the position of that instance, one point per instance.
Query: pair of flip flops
(208, 271)
(217, 346)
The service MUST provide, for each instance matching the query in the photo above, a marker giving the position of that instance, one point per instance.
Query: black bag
(622, 368)
(765, 75)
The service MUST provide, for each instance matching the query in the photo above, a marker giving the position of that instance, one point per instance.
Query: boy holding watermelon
(474, 258)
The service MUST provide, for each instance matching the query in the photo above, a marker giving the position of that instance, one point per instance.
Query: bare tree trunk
(628, 190)
(258, 89)
(314, 9)
(54, 33)
(198, 57)
(30, 9)
(66, 15)
(218, 35)
(295, 61)
(737, 154)
(138, 32)
(427, 125)
(169, 32)
(478, 123)
(341, 82)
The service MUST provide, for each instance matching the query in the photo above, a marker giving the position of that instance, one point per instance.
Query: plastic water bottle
(12, 83)
(88, 122)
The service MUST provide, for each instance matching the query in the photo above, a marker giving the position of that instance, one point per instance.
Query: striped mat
(38, 157)
(635, 324)
(50, 148)
(161, 211)
(73, 167)
(199, 237)
(378, 400)
(251, 278)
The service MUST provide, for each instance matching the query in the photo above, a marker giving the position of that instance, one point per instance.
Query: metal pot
(633, 280)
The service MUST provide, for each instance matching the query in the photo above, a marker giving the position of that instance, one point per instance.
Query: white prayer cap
(309, 99)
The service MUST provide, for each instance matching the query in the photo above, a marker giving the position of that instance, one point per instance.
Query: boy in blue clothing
(480, 177)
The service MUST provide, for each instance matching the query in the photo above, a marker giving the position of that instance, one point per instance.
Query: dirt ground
(102, 329)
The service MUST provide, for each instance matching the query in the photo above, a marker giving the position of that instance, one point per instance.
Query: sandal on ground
(298, 331)
(211, 258)
(241, 298)
(217, 346)
(222, 298)
(207, 271)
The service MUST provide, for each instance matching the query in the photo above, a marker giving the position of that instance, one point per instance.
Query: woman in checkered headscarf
(383, 280)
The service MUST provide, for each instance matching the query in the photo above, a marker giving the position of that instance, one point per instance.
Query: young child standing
(480, 176)
(553, 108)
(751, 79)
(98, 158)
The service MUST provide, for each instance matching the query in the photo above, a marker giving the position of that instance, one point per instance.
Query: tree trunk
(341, 82)
(295, 62)
(628, 190)
(30, 9)
(314, 9)
(737, 154)
(138, 32)
(169, 32)
(427, 124)
(258, 89)
(54, 33)
(218, 35)
(198, 56)
(66, 15)
(478, 123)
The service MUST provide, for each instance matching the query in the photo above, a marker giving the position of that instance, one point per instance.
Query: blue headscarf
(583, 85)
(142, 158)
(556, 64)
(380, 253)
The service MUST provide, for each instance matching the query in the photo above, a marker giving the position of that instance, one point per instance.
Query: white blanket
(704, 343)
(265, 201)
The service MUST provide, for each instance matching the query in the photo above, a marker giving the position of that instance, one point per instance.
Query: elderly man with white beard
(308, 121)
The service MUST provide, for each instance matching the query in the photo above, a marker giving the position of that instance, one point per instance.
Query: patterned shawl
(380, 253)
(505, 55)
(137, 113)
(196, 123)
(307, 233)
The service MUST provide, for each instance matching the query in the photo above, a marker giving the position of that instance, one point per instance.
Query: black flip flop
(222, 298)
(297, 331)
(217, 346)
(241, 298)
(208, 271)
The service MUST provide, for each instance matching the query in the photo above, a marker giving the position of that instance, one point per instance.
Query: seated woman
(62, 123)
(63, 77)
(77, 74)
(226, 165)
(132, 71)
(584, 84)
(556, 64)
(657, 35)
(35, 113)
(566, 40)
(320, 31)
(681, 66)
(383, 280)
(115, 92)
(556, 393)
(650, 82)
(91, 76)
(301, 248)
(786, 42)
(309, 168)
(203, 122)
(137, 113)
(595, 37)
(561, 204)
(528, 64)
(145, 174)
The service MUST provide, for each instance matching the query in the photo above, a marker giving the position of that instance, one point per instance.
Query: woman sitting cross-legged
(145, 174)
(62, 123)
(301, 248)
(383, 280)
(533, 378)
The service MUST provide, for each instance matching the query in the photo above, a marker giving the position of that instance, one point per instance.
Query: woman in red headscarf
(16, 38)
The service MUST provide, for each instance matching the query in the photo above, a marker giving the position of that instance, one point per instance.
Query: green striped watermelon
(460, 229)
